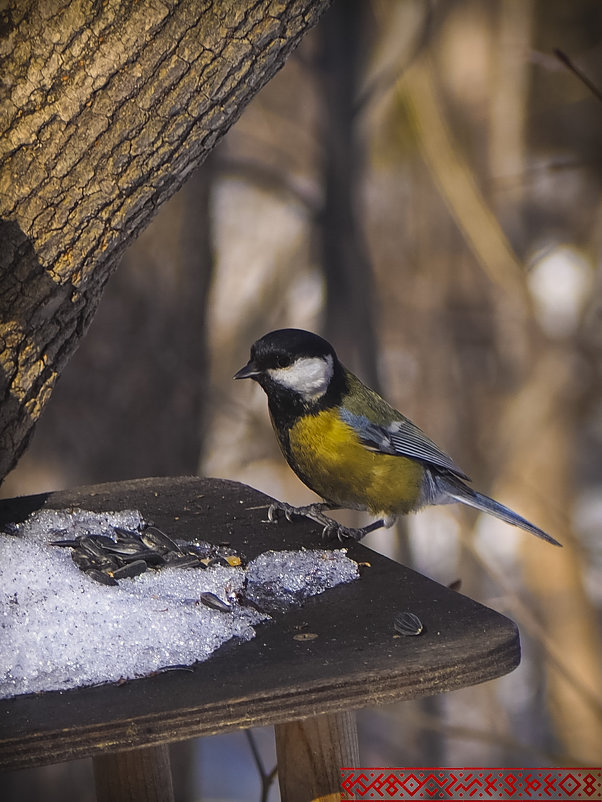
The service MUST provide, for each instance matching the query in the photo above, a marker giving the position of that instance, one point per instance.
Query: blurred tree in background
(421, 184)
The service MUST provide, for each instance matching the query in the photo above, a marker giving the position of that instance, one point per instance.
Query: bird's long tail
(453, 489)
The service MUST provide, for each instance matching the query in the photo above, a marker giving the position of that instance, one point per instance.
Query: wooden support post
(310, 755)
(138, 775)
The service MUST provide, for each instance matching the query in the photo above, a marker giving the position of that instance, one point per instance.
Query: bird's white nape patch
(308, 376)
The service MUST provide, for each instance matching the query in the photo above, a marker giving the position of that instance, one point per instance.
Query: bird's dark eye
(283, 361)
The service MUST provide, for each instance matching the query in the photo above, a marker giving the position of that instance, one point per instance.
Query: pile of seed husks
(125, 553)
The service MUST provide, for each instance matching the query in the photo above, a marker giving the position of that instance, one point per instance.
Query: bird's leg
(315, 512)
(343, 532)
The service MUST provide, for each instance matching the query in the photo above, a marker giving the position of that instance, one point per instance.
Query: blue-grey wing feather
(401, 438)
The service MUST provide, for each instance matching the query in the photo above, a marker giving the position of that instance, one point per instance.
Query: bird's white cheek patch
(309, 376)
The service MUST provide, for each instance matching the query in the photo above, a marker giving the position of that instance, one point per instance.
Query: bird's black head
(294, 367)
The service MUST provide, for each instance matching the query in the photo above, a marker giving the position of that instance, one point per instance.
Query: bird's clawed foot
(315, 512)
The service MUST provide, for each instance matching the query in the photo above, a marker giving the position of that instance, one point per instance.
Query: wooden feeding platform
(305, 672)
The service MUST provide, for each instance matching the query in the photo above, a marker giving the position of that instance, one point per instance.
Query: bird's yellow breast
(327, 456)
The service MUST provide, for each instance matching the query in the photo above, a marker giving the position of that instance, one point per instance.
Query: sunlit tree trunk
(537, 477)
(105, 111)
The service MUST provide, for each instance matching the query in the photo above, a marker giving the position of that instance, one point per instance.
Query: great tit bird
(348, 445)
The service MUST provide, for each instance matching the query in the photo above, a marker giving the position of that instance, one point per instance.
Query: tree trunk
(350, 301)
(105, 109)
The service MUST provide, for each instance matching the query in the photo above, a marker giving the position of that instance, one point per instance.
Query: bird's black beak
(250, 371)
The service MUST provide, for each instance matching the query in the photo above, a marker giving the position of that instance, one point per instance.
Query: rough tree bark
(105, 109)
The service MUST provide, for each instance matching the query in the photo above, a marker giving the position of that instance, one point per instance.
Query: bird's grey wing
(402, 438)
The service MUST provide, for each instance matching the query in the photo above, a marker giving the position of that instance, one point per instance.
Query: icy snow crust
(60, 629)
